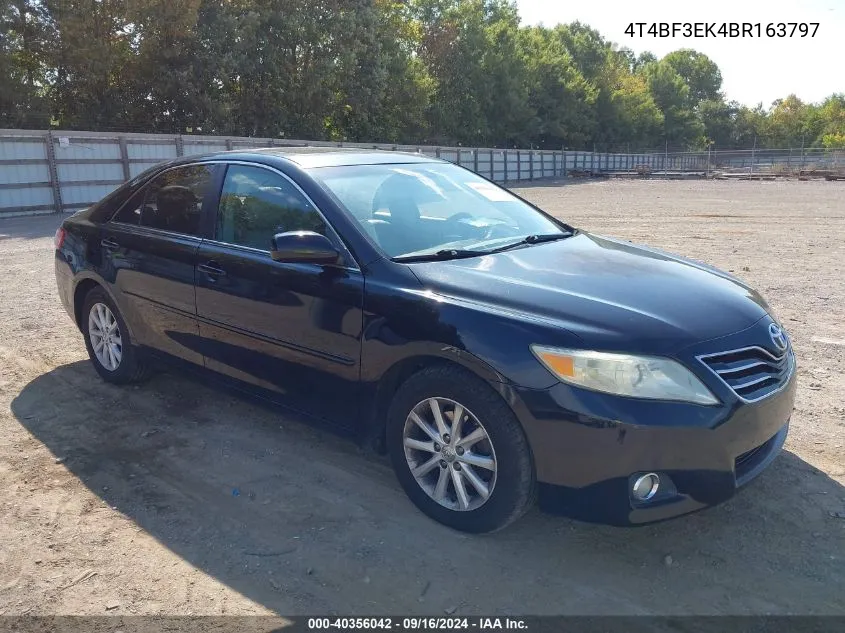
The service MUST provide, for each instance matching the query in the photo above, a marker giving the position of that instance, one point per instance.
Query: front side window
(256, 204)
(421, 208)
(172, 201)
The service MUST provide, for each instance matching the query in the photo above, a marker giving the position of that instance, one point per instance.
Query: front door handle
(109, 244)
(212, 269)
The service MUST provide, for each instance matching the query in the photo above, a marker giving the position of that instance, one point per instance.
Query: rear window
(172, 201)
(103, 210)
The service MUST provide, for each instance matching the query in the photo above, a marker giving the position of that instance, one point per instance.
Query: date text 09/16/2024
(724, 29)
(418, 624)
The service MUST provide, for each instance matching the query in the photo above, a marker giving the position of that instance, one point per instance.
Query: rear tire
(108, 342)
(474, 476)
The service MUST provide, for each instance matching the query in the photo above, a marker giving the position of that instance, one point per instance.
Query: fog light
(645, 486)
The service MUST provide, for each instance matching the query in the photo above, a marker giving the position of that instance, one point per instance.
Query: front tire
(108, 342)
(458, 450)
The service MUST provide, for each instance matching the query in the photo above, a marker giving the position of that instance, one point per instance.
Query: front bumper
(588, 448)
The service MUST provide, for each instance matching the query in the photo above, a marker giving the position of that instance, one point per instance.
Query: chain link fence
(745, 163)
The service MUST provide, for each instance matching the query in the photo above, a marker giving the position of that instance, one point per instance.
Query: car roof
(313, 157)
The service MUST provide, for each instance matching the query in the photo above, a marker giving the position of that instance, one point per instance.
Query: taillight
(59, 238)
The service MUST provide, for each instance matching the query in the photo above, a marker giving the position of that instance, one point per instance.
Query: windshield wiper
(458, 253)
(446, 253)
(533, 239)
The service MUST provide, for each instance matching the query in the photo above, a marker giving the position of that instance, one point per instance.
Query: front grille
(752, 372)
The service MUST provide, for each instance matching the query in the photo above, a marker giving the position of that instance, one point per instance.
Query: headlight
(625, 375)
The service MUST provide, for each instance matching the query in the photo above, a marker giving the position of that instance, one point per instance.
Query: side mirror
(304, 246)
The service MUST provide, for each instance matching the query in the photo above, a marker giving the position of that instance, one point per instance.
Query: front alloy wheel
(450, 454)
(459, 450)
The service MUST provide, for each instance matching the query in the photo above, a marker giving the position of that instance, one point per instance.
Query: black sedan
(493, 351)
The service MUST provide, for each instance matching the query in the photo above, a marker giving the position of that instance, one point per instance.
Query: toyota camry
(496, 353)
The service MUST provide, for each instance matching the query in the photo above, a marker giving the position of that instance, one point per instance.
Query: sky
(753, 70)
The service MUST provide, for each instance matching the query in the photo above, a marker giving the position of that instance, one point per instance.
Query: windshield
(424, 208)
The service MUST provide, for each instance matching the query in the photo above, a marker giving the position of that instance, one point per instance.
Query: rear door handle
(212, 270)
(109, 244)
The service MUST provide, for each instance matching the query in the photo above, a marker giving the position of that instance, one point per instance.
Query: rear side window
(172, 201)
(256, 204)
(130, 213)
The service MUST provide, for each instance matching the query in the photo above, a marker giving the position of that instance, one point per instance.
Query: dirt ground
(177, 498)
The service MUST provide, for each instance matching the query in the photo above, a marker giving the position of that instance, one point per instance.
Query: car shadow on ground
(301, 521)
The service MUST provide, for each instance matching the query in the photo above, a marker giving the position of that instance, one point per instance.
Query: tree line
(442, 72)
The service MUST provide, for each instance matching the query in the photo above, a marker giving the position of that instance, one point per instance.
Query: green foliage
(788, 121)
(833, 141)
(831, 117)
(407, 71)
(636, 120)
(672, 95)
(25, 35)
(560, 97)
(698, 72)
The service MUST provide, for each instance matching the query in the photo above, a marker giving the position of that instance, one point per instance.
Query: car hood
(612, 294)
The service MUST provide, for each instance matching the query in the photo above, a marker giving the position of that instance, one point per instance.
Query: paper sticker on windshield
(490, 191)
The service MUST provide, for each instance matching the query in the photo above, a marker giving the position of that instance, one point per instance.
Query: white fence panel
(43, 171)
(26, 197)
(150, 151)
(84, 195)
(75, 172)
(86, 149)
(25, 173)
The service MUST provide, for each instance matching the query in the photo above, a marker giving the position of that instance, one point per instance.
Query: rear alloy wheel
(105, 336)
(459, 451)
(107, 340)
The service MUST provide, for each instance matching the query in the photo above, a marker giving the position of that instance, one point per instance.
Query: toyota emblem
(778, 337)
